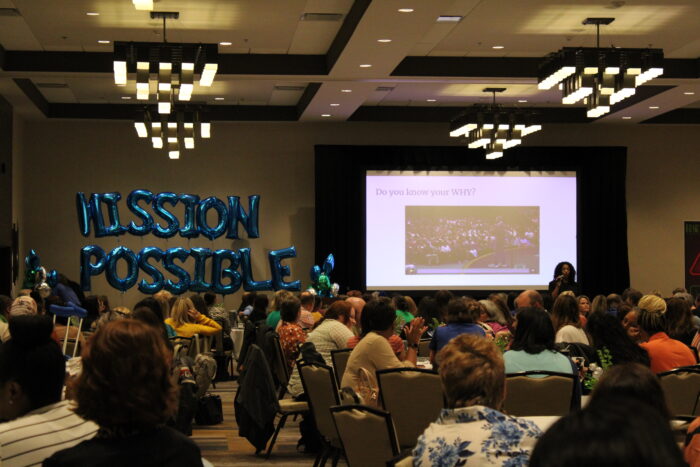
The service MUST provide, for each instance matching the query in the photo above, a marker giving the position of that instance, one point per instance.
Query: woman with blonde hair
(187, 321)
(163, 297)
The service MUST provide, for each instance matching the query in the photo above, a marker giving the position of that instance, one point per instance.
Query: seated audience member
(23, 305)
(373, 352)
(187, 321)
(291, 334)
(395, 341)
(403, 316)
(358, 304)
(528, 299)
(199, 304)
(631, 297)
(259, 312)
(533, 345)
(607, 334)
(443, 297)
(164, 299)
(630, 317)
(584, 308)
(614, 301)
(147, 315)
(493, 317)
(500, 299)
(217, 313)
(652, 303)
(125, 388)
(429, 310)
(156, 306)
(332, 333)
(566, 321)
(64, 291)
(110, 314)
(472, 431)
(679, 320)
(32, 371)
(632, 381)
(665, 353)
(611, 431)
(273, 318)
(462, 317)
(5, 304)
(599, 304)
(94, 307)
(306, 316)
(247, 300)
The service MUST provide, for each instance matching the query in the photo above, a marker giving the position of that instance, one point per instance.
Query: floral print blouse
(476, 435)
(291, 335)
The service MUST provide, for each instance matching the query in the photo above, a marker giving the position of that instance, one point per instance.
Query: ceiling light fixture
(627, 118)
(126, 98)
(365, 65)
(405, 10)
(143, 4)
(174, 131)
(498, 47)
(653, 107)
(346, 90)
(384, 41)
(431, 100)
(335, 105)
(218, 98)
(325, 115)
(103, 42)
(522, 101)
(689, 93)
(174, 65)
(92, 13)
(599, 77)
(449, 19)
(225, 44)
(493, 127)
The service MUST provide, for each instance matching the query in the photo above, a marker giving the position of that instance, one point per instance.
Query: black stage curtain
(602, 217)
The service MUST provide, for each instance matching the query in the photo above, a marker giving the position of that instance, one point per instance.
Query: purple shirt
(444, 334)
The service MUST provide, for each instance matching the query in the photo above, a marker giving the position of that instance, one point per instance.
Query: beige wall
(18, 177)
(275, 160)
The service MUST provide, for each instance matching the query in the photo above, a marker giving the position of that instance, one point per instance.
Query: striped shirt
(28, 440)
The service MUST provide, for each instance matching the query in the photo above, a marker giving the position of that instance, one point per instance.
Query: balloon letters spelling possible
(143, 257)
(88, 268)
(132, 268)
(230, 272)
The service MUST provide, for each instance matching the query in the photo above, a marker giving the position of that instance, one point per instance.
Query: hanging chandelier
(175, 131)
(174, 66)
(493, 127)
(599, 77)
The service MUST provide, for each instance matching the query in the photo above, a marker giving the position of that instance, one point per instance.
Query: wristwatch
(413, 346)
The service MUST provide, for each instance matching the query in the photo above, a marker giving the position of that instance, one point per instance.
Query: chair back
(219, 343)
(280, 370)
(367, 435)
(548, 393)
(69, 311)
(320, 388)
(413, 397)
(340, 361)
(681, 390)
(424, 348)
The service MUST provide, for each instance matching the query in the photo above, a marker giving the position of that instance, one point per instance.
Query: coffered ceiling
(296, 59)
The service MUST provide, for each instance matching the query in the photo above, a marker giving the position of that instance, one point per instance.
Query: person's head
(652, 303)
(378, 316)
(400, 302)
(492, 313)
(584, 304)
(289, 309)
(358, 304)
(180, 311)
(567, 270)
(679, 318)
(247, 299)
(39, 301)
(146, 315)
(565, 311)
(614, 301)
(279, 297)
(209, 299)
(630, 321)
(154, 305)
(632, 381)
(429, 310)
(612, 431)
(342, 311)
(125, 383)
(307, 301)
(443, 297)
(32, 367)
(261, 303)
(529, 298)
(24, 305)
(104, 299)
(472, 372)
(199, 304)
(411, 305)
(697, 301)
(600, 304)
(650, 323)
(679, 290)
(92, 305)
(460, 310)
(631, 296)
(607, 332)
(164, 298)
(534, 332)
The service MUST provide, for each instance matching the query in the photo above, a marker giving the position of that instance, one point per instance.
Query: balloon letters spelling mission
(230, 269)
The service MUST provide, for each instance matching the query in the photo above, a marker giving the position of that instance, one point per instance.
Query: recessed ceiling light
(653, 107)
(522, 101)
(365, 65)
(449, 19)
(405, 10)
(335, 105)
(431, 100)
(225, 43)
(92, 13)
(627, 118)
(498, 47)
(103, 42)
(218, 98)
(126, 98)
(325, 115)
(346, 90)
(689, 93)
(384, 41)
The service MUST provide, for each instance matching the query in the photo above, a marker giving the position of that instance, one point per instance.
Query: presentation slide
(468, 230)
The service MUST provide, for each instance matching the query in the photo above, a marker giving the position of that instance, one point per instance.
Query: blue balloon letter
(87, 268)
(173, 224)
(189, 230)
(249, 284)
(143, 257)
(236, 214)
(132, 202)
(206, 205)
(230, 272)
(279, 271)
(122, 252)
(200, 255)
(184, 284)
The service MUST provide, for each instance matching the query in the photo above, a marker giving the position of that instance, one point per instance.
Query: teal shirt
(272, 319)
(171, 332)
(548, 360)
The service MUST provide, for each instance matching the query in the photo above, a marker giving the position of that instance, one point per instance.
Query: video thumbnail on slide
(472, 239)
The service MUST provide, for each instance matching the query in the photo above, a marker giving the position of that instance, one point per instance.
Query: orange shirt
(666, 353)
(692, 450)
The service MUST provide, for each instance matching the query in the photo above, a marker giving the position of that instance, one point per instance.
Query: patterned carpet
(221, 445)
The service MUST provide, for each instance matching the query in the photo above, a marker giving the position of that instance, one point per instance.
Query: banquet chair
(70, 311)
(220, 352)
(340, 361)
(367, 435)
(322, 392)
(413, 397)
(280, 370)
(539, 393)
(681, 390)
